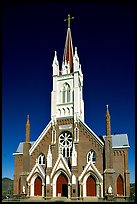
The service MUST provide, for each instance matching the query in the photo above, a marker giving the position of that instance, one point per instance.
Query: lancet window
(91, 156)
(66, 93)
(41, 159)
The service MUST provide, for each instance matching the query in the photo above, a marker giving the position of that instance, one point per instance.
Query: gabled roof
(119, 141)
(20, 148)
(39, 138)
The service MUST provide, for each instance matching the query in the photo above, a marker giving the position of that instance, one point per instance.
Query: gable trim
(60, 158)
(39, 138)
(40, 169)
(95, 170)
(94, 135)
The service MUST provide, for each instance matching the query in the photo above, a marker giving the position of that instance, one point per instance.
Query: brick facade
(67, 150)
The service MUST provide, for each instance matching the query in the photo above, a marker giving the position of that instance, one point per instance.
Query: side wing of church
(68, 159)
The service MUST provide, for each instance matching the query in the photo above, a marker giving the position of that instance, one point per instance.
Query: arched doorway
(120, 190)
(62, 186)
(38, 187)
(91, 186)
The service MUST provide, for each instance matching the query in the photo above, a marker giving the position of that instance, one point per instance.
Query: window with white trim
(65, 144)
(42, 159)
(91, 156)
(66, 93)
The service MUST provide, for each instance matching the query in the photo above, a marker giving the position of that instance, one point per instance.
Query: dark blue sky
(104, 36)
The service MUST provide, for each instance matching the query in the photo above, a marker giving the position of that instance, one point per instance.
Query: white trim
(40, 171)
(85, 181)
(55, 181)
(32, 184)
(39, 138)
(94, 168)
(96, 174)
(17, 153)
(64, 77)
(62, 162)
(92, 132)
(119, 147)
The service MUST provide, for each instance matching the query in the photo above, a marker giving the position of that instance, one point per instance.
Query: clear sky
(104, 36)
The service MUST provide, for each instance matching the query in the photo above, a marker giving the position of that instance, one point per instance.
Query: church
(68, 159)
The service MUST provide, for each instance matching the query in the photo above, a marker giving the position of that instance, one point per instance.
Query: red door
(91, 186)
(38, 187)
(62, 186)
(120, 186)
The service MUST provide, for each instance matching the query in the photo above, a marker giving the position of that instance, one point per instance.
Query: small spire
(27, 118)
(68, 50)
(108, 126)
(107, 108)
(28, 129)
(76, 51)
(55, 56)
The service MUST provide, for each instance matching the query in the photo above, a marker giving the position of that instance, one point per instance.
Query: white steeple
(67, 93)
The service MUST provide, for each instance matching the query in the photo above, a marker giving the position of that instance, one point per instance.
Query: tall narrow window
(63, 94)
(91, 156)
(41, 159)
(66, 93)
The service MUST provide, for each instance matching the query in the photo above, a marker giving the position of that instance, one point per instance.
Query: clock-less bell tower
(67, 94)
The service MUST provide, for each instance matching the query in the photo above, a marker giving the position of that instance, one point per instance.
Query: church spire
(28, 129)
(68, 50)
(108, 128)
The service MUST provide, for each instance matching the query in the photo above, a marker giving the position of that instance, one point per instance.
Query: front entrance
(38, 187)
(91, 186)
(62, 186)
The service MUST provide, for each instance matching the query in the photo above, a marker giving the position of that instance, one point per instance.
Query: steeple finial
(108, 128)
(68, 19)
(28, 129)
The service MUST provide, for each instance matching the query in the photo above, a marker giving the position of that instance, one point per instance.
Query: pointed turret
(28, 129)
(49, 158)
(68, 51)
(74, 156)
(55, 65)
(108, 127)
(76, 61)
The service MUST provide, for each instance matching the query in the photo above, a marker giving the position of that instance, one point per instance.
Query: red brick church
(68, 159)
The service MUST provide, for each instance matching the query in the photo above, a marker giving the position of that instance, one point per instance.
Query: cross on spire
(68, 19)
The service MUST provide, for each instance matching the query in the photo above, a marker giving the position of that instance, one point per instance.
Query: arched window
(65, 144)
(63, 94)
(41, 159)
(66, 93)
(91, 156)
